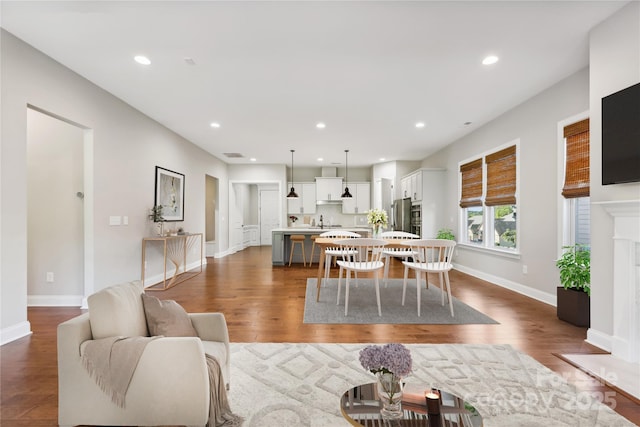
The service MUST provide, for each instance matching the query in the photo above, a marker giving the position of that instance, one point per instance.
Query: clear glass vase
(390, 393)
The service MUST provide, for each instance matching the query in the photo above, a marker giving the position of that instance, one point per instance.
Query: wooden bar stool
(313, 247)
(297, 238)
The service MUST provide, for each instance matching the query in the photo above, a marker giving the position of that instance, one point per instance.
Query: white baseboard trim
(15, 332)
(599, 339)
(54, 300)
(508, 284)
(153, 280)
(223, 253)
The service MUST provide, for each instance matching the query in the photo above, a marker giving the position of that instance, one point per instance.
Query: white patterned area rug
(301, 385)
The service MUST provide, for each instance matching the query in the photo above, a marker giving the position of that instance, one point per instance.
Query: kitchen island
(281, 243)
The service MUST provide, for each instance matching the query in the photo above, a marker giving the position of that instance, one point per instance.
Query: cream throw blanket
(112, 361)
(219, 411)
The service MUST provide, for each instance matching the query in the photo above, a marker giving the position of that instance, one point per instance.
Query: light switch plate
(115, 220)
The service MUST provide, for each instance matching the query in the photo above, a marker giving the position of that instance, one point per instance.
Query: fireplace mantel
(626, 278)
(622, 208)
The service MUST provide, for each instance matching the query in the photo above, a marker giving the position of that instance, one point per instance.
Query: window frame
(488, 212)
(566, 207)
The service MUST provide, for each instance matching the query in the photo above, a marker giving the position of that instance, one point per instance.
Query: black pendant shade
(346, 194)
(292, 193)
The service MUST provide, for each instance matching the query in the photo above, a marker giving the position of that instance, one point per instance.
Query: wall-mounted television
(621, 136)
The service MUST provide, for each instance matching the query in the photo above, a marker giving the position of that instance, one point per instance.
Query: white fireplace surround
(625, 340)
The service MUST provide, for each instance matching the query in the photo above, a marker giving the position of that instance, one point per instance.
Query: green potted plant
(155, 215)
(573, 304)
(445, 233)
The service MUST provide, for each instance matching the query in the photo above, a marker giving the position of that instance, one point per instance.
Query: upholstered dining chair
(334, 252)
(387, 253)
(431, 256)
(360, 255)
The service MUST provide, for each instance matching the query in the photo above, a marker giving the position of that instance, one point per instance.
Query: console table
(361, 405)
(175, 249)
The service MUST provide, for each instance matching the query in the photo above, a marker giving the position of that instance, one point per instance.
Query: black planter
(574, 307)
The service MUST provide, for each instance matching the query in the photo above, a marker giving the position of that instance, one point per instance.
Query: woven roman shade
(576, 176)
(471, 184)
(501, 177)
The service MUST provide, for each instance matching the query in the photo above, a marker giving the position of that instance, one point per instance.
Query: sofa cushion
(167, 317)
(118, 311)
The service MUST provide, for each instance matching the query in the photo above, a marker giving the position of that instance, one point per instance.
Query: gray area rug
(363, 308)
(301, 385)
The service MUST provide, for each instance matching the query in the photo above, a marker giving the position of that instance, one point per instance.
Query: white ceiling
(268, 71)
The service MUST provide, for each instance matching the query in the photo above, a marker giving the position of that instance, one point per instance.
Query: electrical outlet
(524, 269)
(49, 277)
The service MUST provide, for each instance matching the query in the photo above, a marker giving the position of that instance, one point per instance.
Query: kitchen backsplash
(332, 215)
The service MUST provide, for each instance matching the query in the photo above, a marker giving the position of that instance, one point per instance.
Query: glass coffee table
(361, 406)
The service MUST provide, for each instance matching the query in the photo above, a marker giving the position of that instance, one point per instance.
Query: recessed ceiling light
(253, 159)
(320, 159)
(489, 60)
(321, 125)
(382, 159)
(420, 125)
(140, 59)
(215, 125)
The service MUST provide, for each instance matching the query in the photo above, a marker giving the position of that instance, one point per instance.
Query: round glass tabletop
(421, 406)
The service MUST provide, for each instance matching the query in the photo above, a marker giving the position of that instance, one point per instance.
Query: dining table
(326, 242)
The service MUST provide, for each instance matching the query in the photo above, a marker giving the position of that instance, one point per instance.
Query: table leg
(320, 271)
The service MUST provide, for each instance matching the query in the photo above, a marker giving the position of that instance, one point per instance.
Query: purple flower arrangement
(390, 358)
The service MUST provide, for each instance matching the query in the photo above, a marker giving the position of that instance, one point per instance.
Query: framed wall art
(170, 194)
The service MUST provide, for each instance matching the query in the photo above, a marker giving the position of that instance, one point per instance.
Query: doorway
(211, 215)
(59, 269)
(269, 214)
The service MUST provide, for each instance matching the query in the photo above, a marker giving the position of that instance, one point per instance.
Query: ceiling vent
(233, 155)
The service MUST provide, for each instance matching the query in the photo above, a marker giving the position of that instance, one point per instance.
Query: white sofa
(170, 385)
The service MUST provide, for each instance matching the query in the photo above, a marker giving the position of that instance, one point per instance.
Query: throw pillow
(167, 318)
(117, 311)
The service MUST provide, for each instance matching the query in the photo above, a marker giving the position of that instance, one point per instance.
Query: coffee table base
(361, 406)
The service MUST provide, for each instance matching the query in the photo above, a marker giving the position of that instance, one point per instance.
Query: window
(488, 188)
(576, 186)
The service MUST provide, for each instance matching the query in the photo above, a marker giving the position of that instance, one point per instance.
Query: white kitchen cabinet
(306, 201)
(431, 201)
(411, 186)
(416, 186)
(328, 188)
(405, 187)
(360, 203)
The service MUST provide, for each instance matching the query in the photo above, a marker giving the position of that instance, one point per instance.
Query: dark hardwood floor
(266, 304)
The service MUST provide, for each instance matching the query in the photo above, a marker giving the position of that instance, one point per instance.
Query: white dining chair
(431, 256)
(360, 255)
(388, 252)
(334, 252)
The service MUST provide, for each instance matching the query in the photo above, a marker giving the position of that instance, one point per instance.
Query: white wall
(534, 123)
(127, 145)
(615, 65)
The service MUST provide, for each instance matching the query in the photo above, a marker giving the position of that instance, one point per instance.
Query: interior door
(269, 214)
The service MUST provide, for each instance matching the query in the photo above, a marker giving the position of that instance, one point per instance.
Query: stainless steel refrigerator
(402, 215)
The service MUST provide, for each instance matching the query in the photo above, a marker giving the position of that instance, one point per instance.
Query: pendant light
(346, 194)
(292, 193)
